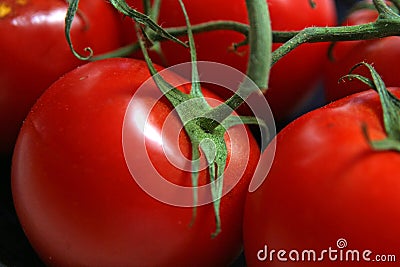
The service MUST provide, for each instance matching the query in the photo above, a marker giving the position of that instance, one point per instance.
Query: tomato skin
(292, 78)
(326, 183)
(76, 199)
(35, 52)
(348, 54)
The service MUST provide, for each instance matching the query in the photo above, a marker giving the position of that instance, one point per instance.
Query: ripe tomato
(327, 190)
(347, 54)
(34, 51)
(292, 78)
(73, 192)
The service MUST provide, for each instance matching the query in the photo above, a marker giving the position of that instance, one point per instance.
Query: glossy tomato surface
(34, 51)
(292, 78)
(76, 199)
(382, 53)
(328, 191)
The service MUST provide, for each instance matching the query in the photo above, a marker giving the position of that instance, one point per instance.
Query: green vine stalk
(387, 24)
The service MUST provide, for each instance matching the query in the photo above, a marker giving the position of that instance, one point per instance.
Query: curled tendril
(72, 10)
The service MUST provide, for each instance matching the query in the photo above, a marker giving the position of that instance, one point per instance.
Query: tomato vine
(259, 36)
(386, 25)
(204, 124)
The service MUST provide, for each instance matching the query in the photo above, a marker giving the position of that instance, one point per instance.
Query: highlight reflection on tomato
(35, 53)
(75, 196)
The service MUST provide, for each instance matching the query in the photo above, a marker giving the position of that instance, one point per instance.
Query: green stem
(384, 11)
(155, 10)
(260, 40)
(177, 32)
(396, 3)
(147, 7)
(191, 108)
(121, 52)
(207, 27)
(196, 87)
(313, 34)
(174, 96)
(125, 9)
(387, 24)
(379, 29)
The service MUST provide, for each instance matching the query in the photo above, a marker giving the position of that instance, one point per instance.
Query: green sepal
(380, 145)
(195, 178)
(216, 154)
(234, 120)
(390, 107)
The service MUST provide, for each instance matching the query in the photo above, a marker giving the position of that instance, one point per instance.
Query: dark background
(15, 250)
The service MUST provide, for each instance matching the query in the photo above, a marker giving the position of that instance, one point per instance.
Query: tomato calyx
(390, 107)
(206, 126)
(212, 144)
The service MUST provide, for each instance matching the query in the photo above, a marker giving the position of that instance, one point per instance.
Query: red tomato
(292, 78)
(327, 190)
(347, 54)
(34, 51)
(73, 192)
